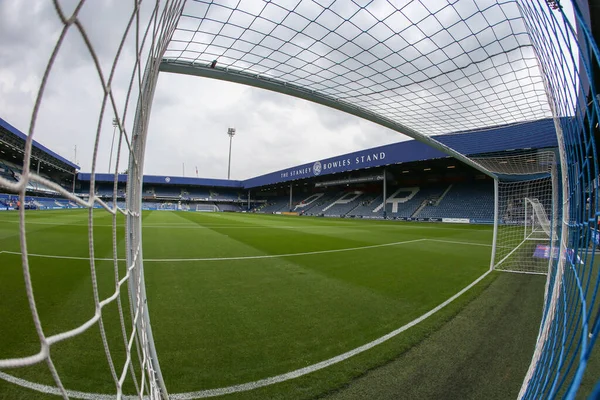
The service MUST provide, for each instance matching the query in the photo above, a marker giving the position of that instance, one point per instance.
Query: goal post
(140, 43)
(544, 68)
(536, 222)
(525, 220)
(207, 208)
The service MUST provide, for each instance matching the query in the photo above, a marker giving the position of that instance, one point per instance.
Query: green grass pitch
(235, 298)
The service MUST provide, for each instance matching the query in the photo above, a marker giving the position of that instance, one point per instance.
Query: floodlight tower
(115, 124)
(231, 133)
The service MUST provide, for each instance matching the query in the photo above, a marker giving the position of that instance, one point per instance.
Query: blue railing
(568, 55)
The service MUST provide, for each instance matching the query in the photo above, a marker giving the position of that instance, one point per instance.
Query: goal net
(536, 221)
(526, 216)
(207, 207)
(106, 329)
(421, 69)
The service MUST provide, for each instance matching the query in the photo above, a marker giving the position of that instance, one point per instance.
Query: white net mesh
(527, 216)
(537, 224)
(419, 63)
(206, 207)
(140, 35)
(420, 67)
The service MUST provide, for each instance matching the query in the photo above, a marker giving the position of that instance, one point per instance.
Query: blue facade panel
(179, 180)
(85, 176)
(384, 155)
(533, 135)
(538, 134)
(166, 180)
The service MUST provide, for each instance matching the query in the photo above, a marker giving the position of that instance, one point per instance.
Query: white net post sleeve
(207, 208)
(525, 216)
(496, 221)
(147, 27)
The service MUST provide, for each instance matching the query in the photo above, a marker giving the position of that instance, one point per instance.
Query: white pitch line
(150, 260)
(38, 387)
(458, 242)
(522, 272)
(261, 382)
(386, 225)
(308, 253)
(17, 253)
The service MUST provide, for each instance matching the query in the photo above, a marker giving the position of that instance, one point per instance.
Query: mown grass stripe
(261, 382)
(308, 253)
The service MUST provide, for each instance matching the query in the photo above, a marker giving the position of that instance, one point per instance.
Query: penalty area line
(261, 382)
(458, 242)
(18, 253)
(308, 253)
(511, 271)
(38, 387)
(150, 260)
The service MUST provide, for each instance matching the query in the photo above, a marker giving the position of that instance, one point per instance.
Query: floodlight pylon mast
(231, 133)
(115, 124)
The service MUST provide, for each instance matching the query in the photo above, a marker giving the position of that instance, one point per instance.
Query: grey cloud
(190, 116)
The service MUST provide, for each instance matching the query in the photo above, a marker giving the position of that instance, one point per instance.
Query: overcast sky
(481, 77)
(190, 115)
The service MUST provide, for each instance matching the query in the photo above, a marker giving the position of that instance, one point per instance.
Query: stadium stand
(420, 184)
(317, 207)
(10, 202)
(463, 200)
(513, 209)
(409, 200)
(228, 207)
(167, 192)
(275, 205)
(417, 195)
(167, 206)
(474, 201)
(346, 202)
(224, 195)
(7, 172)
(120, 204)
(104, 191)
(198, 193)
(366, 207)
(44, 163)
(13, 172)
(307, 203)
(157, 205)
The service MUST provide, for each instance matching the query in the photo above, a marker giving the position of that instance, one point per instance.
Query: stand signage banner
(543, 251)
(595, 236)
(456, 220)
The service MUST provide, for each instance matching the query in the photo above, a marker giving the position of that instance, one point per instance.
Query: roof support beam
(264, 82)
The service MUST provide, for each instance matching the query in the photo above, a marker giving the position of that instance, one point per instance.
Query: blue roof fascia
(37, 145)
(537, 134)
(165, 180)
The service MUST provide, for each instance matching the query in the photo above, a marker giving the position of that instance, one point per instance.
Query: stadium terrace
(459, 264)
